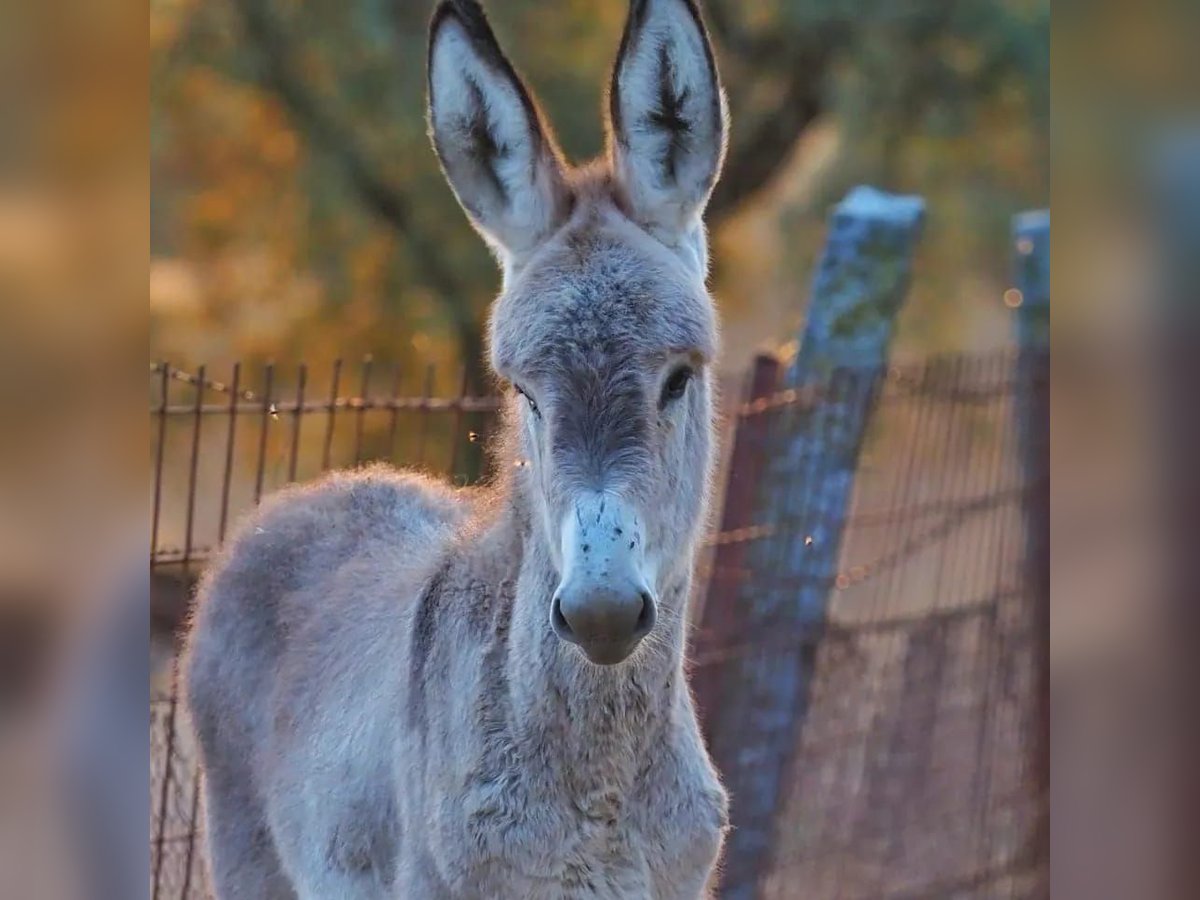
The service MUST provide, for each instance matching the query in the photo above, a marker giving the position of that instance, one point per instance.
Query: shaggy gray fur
(382, 705)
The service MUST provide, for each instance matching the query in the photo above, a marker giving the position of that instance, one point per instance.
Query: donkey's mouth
(599, 652)
(608, 653)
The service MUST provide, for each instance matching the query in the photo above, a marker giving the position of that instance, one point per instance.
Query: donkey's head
(604, 327)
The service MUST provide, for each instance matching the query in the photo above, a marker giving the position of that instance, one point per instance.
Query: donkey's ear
(498, 156)
(667, 115)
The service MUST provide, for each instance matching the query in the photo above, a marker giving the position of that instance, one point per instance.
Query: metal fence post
(859, 286)
(1031, 238)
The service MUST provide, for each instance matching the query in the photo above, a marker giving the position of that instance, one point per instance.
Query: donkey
(403, 690)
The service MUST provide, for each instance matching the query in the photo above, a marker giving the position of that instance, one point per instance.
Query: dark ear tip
(473, 20)
(468, 13)
(639, 8)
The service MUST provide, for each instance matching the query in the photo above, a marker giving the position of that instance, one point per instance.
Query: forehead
(601, 292)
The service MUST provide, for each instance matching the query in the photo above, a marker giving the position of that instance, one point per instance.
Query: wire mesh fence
(906, 768)
(219, 447)
(906, 758)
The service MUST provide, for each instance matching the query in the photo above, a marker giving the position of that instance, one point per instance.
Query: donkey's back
(294, 624)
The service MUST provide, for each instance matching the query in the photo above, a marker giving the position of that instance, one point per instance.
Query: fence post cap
(1033, 223)
(1031, 296)
(866, 202)
(860, 281)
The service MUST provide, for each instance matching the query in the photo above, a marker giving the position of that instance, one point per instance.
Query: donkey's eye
(533, 407)
(677, 384)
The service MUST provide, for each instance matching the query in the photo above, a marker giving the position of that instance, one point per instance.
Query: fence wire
(908, 766)
(906, 769)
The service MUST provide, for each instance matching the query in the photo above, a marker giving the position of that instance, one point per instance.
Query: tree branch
(765, 146)
(310, 115)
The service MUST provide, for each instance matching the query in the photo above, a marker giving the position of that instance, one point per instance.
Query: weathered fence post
(726, 573)
(1031, 238)
(1175, 343)
(860, 284)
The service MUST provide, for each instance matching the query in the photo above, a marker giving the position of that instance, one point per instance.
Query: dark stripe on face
(601, 425)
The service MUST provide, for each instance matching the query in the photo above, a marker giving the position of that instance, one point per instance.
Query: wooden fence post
(859, 286)
(1031, 239)
(726, 573)
(1175, 345)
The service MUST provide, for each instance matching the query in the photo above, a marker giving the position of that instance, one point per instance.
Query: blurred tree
(294, 178)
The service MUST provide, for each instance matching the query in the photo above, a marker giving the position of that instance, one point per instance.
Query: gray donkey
(403, 690)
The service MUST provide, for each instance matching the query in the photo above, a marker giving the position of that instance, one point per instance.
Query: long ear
(498, 157)
(667, 115)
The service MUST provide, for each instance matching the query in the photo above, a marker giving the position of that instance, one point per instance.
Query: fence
(868, 651)
(911, 772)
(219, 447)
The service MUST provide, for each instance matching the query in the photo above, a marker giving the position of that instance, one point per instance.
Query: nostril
(602, 617)
(646, 617)
(558, 621)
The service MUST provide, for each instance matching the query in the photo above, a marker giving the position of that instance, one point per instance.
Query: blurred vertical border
(74, 208)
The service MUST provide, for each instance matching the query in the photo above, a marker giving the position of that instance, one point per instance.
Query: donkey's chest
(603, 840)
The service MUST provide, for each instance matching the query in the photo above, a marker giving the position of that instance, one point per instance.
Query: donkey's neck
(590, 724)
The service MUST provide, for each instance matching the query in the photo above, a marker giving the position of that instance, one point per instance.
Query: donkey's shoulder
(378, 494)
(321, 567)
(300, 537)
(348, 508)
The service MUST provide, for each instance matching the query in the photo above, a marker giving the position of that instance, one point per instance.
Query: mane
(497, 496)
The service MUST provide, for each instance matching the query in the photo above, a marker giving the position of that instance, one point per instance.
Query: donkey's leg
(319, 873)
(243, 864)
(334, 847)
(316, 879)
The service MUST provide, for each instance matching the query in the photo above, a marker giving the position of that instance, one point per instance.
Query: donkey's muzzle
(606, 622)
(604, 603)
